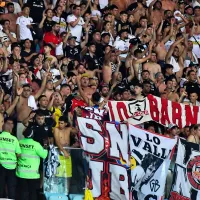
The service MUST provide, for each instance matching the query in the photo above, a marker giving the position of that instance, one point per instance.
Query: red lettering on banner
(176, 114)
(153, 104)
(176, 196)
(164, 112)
(121, 107)
(191, 118)
(111, 111)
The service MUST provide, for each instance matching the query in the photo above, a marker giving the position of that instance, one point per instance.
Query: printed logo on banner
(193, 172)
(154, 185)
(139, 107)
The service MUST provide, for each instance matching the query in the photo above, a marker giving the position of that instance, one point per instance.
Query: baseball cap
(171, 126)
(72, 37)
(5, 39)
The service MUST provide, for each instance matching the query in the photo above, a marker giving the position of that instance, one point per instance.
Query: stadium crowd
(56, 56)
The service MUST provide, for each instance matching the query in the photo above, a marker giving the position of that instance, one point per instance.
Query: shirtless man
(156, 13)
(11, 16)
(176, 59)
(139, 11)
(26, 104)
(62, 135)
(160, 83)
(159, 46)
(171, 94)
(195, 136)
(111, 62)
(168, 5)
(152, 66)
(138, 60)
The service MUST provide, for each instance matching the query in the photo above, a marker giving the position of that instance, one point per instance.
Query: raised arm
(83, 44)
(85, 98)
(171, 50)
(167, 37)
(15, 101)
(41, 90)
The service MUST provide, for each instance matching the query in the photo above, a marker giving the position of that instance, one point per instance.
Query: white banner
(186, 183)
(154, 108)
(150, 159)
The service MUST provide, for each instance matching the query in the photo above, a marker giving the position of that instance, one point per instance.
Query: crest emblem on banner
(193, 172)
(138, 109)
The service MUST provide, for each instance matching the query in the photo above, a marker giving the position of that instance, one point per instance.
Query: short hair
(63, 119)
(41, 96)
(26, 5)
(137, 51)
(65, 85)
(145, 71)
(9, 4)
(4, 21)
(96, 97)
(196, 126)
(189, 72)
(40, 114)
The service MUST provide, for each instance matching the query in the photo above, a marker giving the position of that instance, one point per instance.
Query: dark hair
(40, 114)
(4, 21)
(65, 85)
(26, 5)
(63, 119)
(41, 96)
(28, 132)
(96, 97)
(196, 126)
(8, 119)
(189, 72)
(145, 71)
(9, 4)
(137, 51)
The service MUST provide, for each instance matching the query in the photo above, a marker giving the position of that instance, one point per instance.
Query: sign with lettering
(186, 181)
(106, 149)
(150, 158)
(154, 108)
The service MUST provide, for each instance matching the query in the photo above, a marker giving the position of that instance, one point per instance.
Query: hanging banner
(150, 159)
(186, 182)
(154, 108)
(106, 147)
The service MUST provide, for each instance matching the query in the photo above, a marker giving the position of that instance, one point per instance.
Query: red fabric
(49, 37)
(76, 103)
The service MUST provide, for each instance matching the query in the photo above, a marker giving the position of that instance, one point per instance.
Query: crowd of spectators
(56, 56)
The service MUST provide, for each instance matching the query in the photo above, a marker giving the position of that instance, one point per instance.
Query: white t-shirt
(2, 34)
(196, 48)
(77, 30)
(122, 46)
(59, 49)
(24, 31)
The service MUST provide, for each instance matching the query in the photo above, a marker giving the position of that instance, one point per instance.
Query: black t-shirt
(37, 7)
(121, 24)
(49, 121)
(47, 26)
(41, 133)
(92, 62)
(73, 53)
(99, 50)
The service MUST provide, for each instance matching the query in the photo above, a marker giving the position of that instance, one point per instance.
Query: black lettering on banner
(150, 197)
(147, 147)
(136, 143)
(154, 185)
(156, 140)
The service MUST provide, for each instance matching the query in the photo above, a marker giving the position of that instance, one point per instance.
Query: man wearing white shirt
(122, 44)
(76, 22)
(24, 24)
